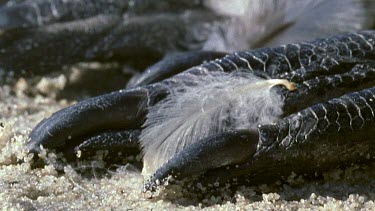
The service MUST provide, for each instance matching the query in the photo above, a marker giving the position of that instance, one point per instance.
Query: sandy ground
(24, 188)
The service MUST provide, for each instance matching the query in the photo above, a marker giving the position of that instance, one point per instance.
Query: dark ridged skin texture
(326, 122)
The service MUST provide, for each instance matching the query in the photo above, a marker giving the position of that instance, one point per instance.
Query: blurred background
(80, 48)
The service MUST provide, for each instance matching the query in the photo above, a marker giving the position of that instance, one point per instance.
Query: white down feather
(200, 106)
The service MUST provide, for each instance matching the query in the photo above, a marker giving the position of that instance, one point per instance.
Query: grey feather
(259, 23)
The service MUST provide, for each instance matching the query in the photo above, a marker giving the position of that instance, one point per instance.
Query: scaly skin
(337, 65)
(329, 114)
(307, 140)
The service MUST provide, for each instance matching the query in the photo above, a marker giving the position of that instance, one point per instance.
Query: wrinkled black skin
(308, 131)
(327, 122)
(320, 120)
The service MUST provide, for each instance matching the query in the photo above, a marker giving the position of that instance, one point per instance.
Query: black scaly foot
(343, 62)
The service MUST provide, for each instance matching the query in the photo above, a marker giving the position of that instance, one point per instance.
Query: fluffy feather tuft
(200, 106)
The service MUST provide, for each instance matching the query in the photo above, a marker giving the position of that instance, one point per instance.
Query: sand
(63, 187)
